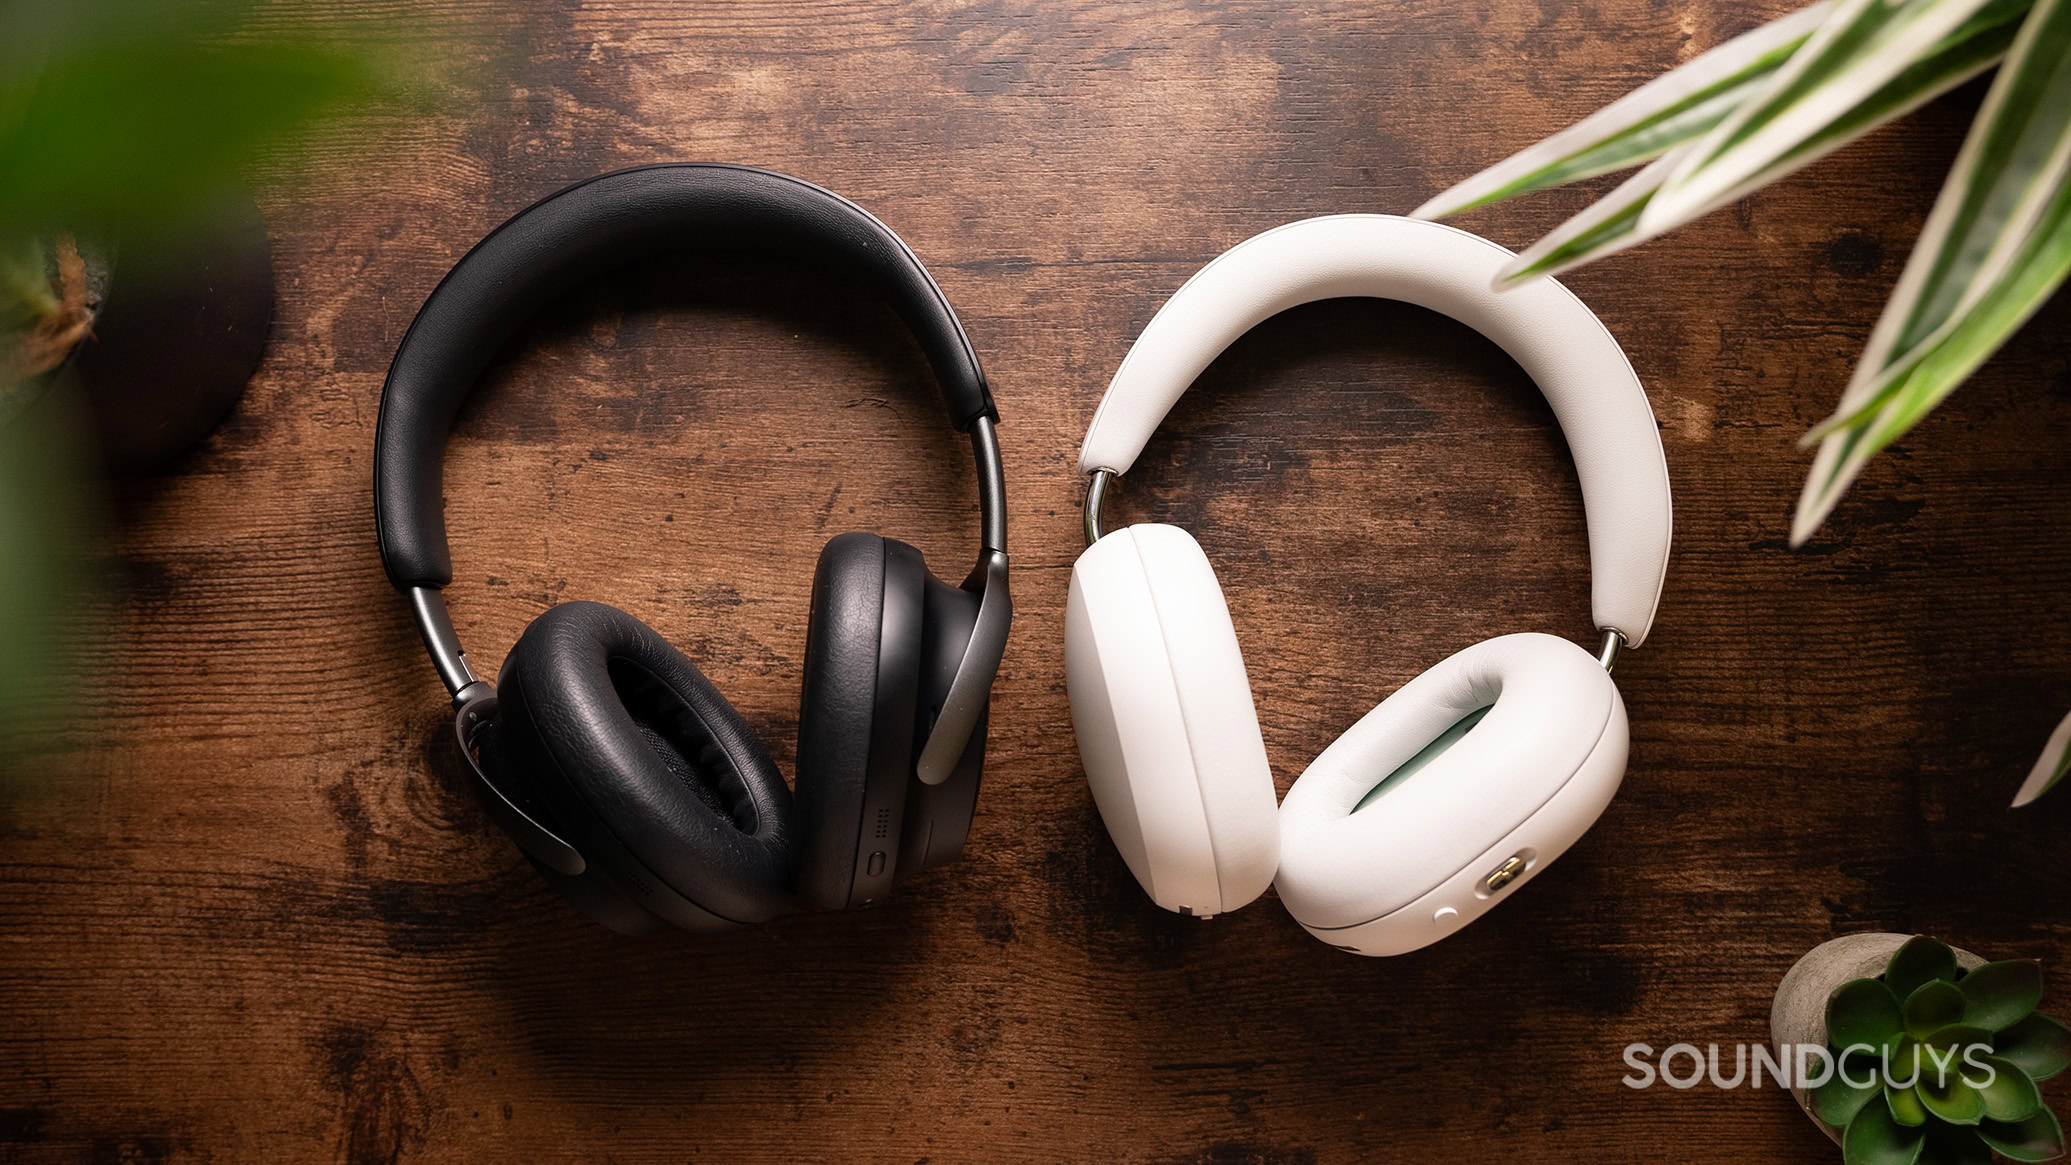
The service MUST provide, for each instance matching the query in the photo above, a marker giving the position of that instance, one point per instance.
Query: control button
(876, 863)
(1504, 874)
(1445, 914)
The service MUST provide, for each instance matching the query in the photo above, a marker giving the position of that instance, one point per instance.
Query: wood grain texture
(250, 912)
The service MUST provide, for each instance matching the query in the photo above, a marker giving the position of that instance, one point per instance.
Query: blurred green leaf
(25, 291)
(124, 116)
(158, 108)
(117, 118)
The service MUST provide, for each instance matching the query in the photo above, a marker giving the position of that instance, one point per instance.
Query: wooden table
(253, 914)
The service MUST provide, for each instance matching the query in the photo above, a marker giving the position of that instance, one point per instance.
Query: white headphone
(1475, 775)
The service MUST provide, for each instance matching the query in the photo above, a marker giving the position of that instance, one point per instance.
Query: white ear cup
(1383, 870)
(1165, 722)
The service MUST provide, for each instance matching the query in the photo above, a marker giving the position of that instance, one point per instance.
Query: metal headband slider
(1096, 493)
(1607, 654)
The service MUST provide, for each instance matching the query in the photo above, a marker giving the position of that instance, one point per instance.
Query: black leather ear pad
(855, 718)
(645, 768)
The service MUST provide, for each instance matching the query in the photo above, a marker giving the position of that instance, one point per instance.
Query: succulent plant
(1939, 1066)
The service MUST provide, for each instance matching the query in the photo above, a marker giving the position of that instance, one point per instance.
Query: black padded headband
(570, 238)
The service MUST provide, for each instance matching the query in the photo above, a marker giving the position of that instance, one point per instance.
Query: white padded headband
(1565, 349)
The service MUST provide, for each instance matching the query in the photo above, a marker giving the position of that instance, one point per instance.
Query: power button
(876, 866)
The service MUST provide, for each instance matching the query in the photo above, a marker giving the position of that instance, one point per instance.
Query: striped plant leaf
(2050, 767)
(1678, 106)
(1857, 51)
(2038, 272)
(1609, 224)
(1995, 247)
(1618, 220)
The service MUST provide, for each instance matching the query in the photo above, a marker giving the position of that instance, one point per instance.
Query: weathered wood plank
(254, 914)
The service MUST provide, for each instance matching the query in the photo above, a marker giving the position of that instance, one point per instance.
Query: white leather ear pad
(1166, 728)
(1387, 844)
(1583, 373)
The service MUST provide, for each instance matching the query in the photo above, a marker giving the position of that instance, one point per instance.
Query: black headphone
(620, 771)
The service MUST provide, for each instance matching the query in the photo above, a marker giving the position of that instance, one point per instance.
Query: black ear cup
(638, 761)
(856, 717)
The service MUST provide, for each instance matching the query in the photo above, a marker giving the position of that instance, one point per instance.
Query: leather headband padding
(1561, 345)
(570, 238)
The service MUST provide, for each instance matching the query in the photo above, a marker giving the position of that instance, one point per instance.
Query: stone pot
(180, 320)
(1799, 1013)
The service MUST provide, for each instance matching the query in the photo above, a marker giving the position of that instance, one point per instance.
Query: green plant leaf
(2039, 1138)
(1676, 107)
(1933, 1006)
(1992, 251)
(1605, 226)
(1873, 1138)
(1903, 1061)
(1863, 1012)
(1949, 1097)
(2010, 1095)
(1959, 1036)
(1905, 1106)
(2003, 310)
(1937, 1067)
(2000, 994)
(1614, 222)
(1860, 47)
(2050, 767)
(1836, 1101)
(2038, 1045)
(1921, 959)
(25, 292)
(1996, 192)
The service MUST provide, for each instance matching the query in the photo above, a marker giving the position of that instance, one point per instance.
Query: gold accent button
(1504, 874)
